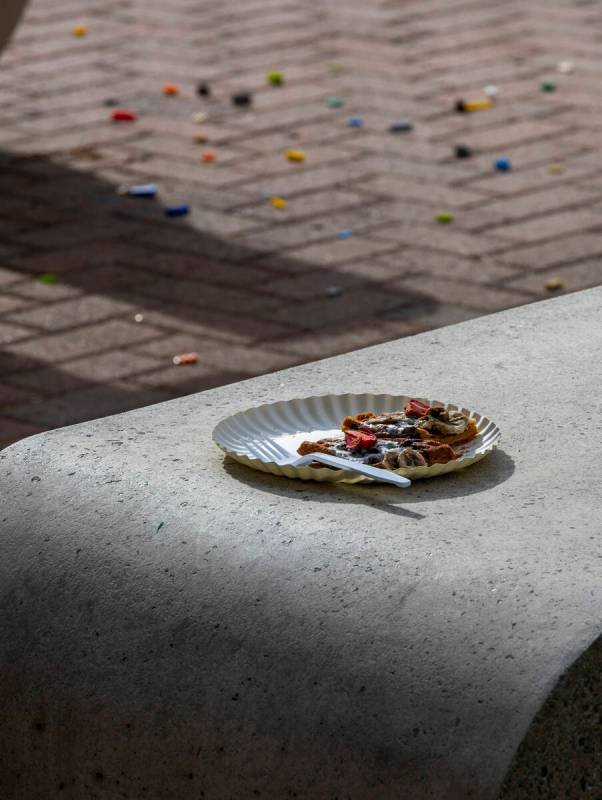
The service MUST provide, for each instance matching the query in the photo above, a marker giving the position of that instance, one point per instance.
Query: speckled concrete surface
(176, 626)
(561, 755)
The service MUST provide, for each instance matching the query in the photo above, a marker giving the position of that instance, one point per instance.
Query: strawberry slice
(416, 409)
(359, 440)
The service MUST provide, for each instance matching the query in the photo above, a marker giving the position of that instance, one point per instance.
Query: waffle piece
(321, 446)
(434, 451)
(386, 454)
(447, 426)
(385, 426)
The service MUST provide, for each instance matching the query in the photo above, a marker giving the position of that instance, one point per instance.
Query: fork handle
(362, 469)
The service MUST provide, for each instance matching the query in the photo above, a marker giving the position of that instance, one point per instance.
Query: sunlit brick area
(386, 229)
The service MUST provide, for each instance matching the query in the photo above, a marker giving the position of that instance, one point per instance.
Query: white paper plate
(290, 422)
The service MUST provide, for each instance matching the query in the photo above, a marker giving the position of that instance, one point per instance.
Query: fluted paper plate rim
(235, 434)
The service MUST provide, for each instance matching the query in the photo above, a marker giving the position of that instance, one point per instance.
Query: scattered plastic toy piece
(139, 190)
(565, 67)
(553, 284)
(123, 115)
(242, 99)
(79, 30)
(334, 102)
(556, 169)
(199, 117)
(48, 277)
(138, 317)
(355, 122)
(295, 155)
(334, 291)
(208, 156)
(444, 216)
(502, 164)
(346, 233)
(200, 137)
(185, 358)
(491, 90)
(474, 105)
(548, 86)
(203, 90)
(463, 151)
(401, 126)
(177, 211)
(170, 89)
(278, 202)
(275, 77)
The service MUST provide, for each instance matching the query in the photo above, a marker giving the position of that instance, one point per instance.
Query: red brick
(8, 277)
(303, 286)
(530, 179)
(443, 237)
(96, 339)
(219, 355)
(577, 276)
(552, 225)
(490, 215)
(69, 313)
(188, 379)
(341, 338)
(310, 180)
(305, 136)
(329, 253)
(431, 194)
(550, 254)
(211, 297)
(464, 294)
(283, 235)
(315, 204)
(481, 269)
(68, 258)
(275, 163)
(209, 324)
(10, 303)
(351, 305)
(79, 373)
(12, 333)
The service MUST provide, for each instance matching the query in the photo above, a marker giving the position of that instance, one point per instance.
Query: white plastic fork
(278, 455)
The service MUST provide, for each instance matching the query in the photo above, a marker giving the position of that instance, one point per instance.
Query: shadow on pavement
(113, 255)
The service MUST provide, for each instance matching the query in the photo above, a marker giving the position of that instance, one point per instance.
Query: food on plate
(418, 436)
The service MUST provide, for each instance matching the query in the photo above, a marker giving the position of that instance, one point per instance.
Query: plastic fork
(278, 455)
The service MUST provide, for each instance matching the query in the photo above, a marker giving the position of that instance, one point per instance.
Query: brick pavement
(237, 280)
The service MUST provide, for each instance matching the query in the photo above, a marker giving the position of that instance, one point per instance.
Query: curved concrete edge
(95, 705)
(173, 624)
(561, 753)
(10, 13)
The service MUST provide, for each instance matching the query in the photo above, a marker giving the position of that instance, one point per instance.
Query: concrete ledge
(174, 626)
